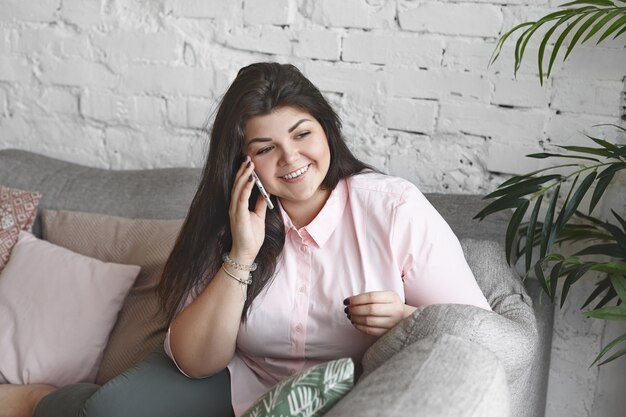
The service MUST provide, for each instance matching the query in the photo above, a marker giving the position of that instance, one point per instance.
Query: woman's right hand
(247, 227)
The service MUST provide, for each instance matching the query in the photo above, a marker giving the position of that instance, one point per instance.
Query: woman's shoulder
(384, 186)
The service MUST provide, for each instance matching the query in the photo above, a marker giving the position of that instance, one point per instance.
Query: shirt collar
(326, 221)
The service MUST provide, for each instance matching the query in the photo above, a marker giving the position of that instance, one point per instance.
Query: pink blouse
(375, 233)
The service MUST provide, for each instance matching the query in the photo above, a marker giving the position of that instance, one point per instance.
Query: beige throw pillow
(140, 326)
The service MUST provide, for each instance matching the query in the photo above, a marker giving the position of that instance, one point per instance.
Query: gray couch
(444, 360)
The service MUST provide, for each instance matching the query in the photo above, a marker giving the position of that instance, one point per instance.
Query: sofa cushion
(18, 210)
(141, 325)
(57, 309)
(509, 331)
(309, 393)
(440, 375)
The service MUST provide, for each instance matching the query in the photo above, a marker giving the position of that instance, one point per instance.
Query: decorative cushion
(57, 309)
(311, 392)
(141, 325)
(18, 210)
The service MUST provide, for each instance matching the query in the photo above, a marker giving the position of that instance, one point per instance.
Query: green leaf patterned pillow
(309, 393)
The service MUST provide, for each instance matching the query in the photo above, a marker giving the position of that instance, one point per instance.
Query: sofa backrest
(166, 193)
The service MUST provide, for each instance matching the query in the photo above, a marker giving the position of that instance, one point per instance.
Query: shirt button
(299, 328)
(303, 248)
(303, 289)
(292, 372)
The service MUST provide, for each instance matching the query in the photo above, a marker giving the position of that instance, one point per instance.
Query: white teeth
(296, 173)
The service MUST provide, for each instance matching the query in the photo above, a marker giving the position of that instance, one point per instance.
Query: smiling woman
(255, 295)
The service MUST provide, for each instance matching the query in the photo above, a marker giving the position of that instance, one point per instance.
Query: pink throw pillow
(18, 210)
(57, 309)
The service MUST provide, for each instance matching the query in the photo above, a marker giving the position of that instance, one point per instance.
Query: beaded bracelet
(237, 265)
(241, 281)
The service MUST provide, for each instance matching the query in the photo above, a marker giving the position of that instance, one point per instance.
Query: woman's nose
(289, 154)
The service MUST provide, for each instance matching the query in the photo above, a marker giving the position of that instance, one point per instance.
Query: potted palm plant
(548, 203)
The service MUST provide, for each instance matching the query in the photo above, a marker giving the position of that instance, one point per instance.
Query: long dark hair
(205, 236)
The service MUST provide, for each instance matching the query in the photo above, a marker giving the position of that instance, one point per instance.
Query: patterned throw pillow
(309, 393)
(18, 210)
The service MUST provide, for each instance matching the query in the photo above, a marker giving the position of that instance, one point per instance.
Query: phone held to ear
(266, 197)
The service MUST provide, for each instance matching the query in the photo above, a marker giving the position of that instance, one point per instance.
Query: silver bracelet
(241, 281)
(237, 265)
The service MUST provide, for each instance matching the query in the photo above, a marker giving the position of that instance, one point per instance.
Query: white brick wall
(126, 84)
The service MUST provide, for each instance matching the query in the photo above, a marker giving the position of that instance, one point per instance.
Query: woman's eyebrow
(291, 129)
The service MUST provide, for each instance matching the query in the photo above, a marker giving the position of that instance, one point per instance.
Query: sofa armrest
(443, 376)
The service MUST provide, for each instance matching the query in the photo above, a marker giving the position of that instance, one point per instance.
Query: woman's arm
(202, 337)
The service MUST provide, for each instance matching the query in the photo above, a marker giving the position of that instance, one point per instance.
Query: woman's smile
(296, 175)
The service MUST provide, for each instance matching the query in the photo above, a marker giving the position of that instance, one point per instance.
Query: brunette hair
(205, 236)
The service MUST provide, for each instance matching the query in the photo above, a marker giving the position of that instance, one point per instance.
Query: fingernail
(248, 164)
(349, 317)
(346, 302)
(250, 178)
(345, 310)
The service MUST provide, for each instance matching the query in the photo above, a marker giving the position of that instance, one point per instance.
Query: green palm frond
(569, 222)
(586, 19)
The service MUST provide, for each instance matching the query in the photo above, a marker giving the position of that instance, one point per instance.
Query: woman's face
(291, 157)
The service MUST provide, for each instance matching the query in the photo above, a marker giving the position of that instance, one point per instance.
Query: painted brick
(595, 63)
(83, 13)
(343, 79)
(201, 9)
(268, 39)
(411, 115)
(14, 69)
(392, 49)
(168, 80)
(105, 107)
(64, 139)
(59, 42)
(4, 104)
(585, 96)
(438, 84)
(504, 125)
(261, 12)
(353, 13)
(191, 113)
(452, 19)
(148, 110)
(159, 46)
(317, 44)
(474, 55)
(508, 158)
(570, 128)
(523, 91)
(152, 147)
(59, 101)
(5, 41)
(30, 11)
(77, 72)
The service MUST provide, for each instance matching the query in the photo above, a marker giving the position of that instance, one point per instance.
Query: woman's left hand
(376, 312)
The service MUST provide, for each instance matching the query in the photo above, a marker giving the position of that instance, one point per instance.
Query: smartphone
(266, 197)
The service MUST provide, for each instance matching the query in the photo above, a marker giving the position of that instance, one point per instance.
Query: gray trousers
(152, 388)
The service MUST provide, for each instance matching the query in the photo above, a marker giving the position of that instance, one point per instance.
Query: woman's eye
(302, 135)
(264, 150)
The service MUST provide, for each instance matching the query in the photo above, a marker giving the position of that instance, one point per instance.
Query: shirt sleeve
(434, 269)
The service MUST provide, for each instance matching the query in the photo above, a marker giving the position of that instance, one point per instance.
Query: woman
(343, 257)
